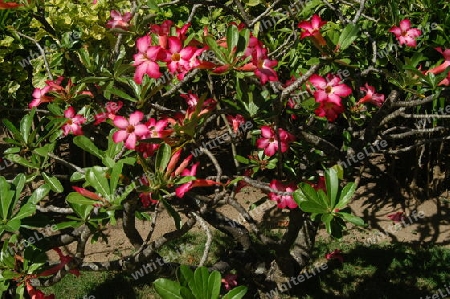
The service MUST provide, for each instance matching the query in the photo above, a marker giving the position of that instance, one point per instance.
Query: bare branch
(47, 67)
(288, 90)
(208, 239)
(64, 162)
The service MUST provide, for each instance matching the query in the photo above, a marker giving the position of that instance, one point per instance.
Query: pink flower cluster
(329, 93)
(405, 34)
(119, 20)
(259, 63)
(283, 201)
(269, 140)
(171, 50)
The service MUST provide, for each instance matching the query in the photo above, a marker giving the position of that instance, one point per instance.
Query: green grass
(379, 271)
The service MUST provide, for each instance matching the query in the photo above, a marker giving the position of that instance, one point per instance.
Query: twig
(408, 148)
(220, 5)
(208, 238)
(285, 93)
(152, 227)
(194, 8)
(265, 13)
(414, 132)
(181, 83)
(54, 209)
(263, 186)
(64, 162)
(359, 12)
(47, 67)
(243, 13)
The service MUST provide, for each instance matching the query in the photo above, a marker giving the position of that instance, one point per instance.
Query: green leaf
(25, 125)
(77, 176)
(96, 177)
(77, 198)
(243, 41)
(187, 274)
(218, 51)
(241, 159)
(19, 183)
(81, 210)
(162, 157)
(346, 195)
(326, 219)
(184, 180)
(120, 94)
(67, 224)
(13, 225)
(45, 150)
(339, 170)
(16, 133)
(167, 289)
(351, 218)
(39, 194)
(173, 213)
(22, 161)
(95, 79)
(332, 183)
(348, 35)
(6, 196)
(236, 293)
(214, 282)
(87, 145)
(26, 210)
(232, 39)
(308, 201)
(337, 227)
(53, 182)
(199, 285)
(115, 175)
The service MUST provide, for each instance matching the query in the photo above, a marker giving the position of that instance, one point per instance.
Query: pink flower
(229, 281)
(241, 184)
(320, 184)
(163, 32)
(405, 34)
(396, 217)
(37, 294)
(312, 29)
(336, 254)
(118, 20)
(264, 67)
(8, 5)
(283, 200)
(236, 121)
(131, 129)
(146, 199)
(39, 96)
(445, 81)
(269, 141)
(329, 110)
(181, 60)
(192, 101)
(441, 68)
(156, 129)
(111, 109)
(145, 60)
(261, 65)
(73, 123)
(181, 190)
(329, 90)
(375, 98)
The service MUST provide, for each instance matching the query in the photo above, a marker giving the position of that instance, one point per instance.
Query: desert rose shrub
(115, 108)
